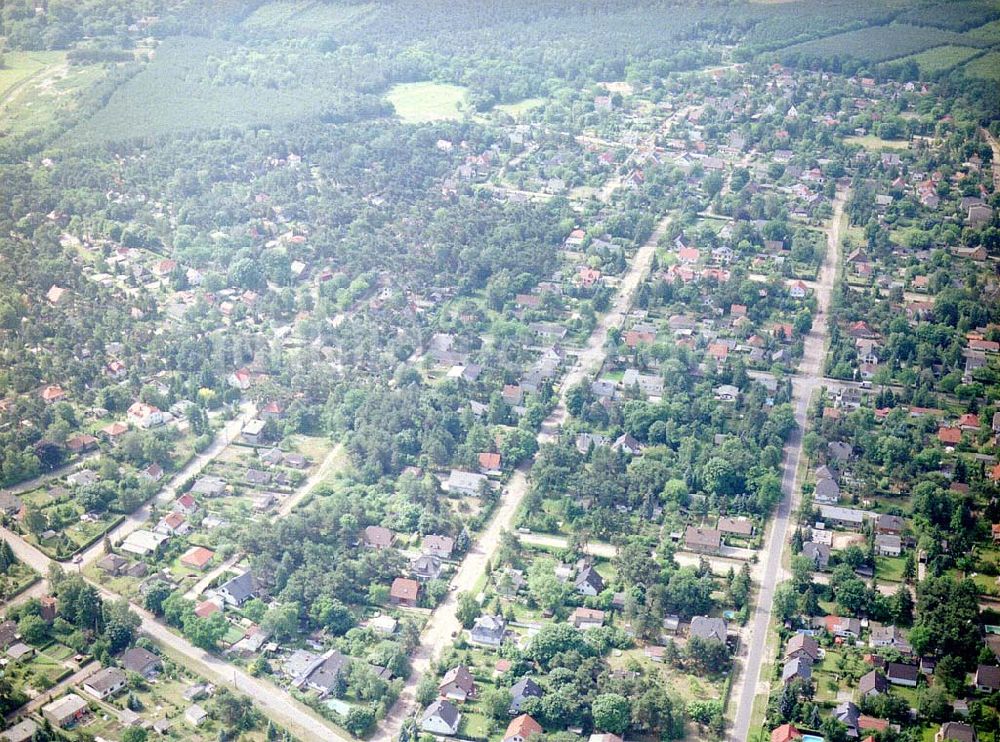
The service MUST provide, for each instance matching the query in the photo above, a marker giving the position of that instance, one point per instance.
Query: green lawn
(872, 142)
(420, 102)
(889, 568)
(521, 107)
(19, 66)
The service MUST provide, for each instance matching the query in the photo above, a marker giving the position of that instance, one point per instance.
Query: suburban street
(747, 684)
(443, 624)
(168, 492)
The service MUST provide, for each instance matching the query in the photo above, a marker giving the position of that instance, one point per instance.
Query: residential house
(464, 482)
(457, 684)
(441, 717)
(66, 711)
(209, 486)
(143, 542)
(899, 673)
(112, 564)
(439, 546)
(490, 464)
(845, 628)
(195, 715)
(587, 618)
(844, 517)
(426, 567)
(197, 558)
(785, 733)
(521, 729)
(741, 526)
(819, 553)
(253, 432)
(589, 582)
(488, 631)
(987, 678)
(888, 545)
(105, 683)
(702, 540)
(404, 592)
(24, 731)
(799, 668)
(377, 537)
(872, 683)
(145, 416)
(710, 629)
(142, 662)
(239, 589)
(956, 731)
(802, 645)
(520, 692)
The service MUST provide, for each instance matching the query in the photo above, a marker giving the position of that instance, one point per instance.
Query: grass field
(872, 142)
(21, 66)
(521, 107)
(942, 58)
(986, 67)
(420, 102)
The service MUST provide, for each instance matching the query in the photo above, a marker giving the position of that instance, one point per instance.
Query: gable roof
(522, 726)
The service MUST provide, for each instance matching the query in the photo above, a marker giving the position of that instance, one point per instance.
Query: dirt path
(747, 684)
(444, 625)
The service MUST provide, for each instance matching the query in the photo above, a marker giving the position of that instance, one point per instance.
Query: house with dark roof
(377, 537)
(818, 553)
(439, 546)
(589, 582)
(872, 683)
(802, 645)
(239, 589)
(956, 731)
(105, 683)
(899, 673)
(141, 661)
(987, 678)
(799, 668)
(441, 717)
(710, 629)
(520, 692)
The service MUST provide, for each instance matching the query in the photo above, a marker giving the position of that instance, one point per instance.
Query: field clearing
(420, 102)
(20, 66)
(874, 143)
(987, 67)
(942, 58)
(53, 90)
(314, 17)
(521, 107)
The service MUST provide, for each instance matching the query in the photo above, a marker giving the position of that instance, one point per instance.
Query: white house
(145, 416)
(441, 717)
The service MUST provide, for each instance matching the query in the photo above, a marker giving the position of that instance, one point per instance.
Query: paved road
(443, 624)
(747, 684)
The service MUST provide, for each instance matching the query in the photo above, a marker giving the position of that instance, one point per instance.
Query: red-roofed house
(950, 436)
(404, 591)
(522, 728)
(968, 421)
(489, 464)
(53, 393)
(785, 733)
(197, 557)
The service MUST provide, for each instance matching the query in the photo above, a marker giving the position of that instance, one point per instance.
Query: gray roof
(705, 627)
(445, 709)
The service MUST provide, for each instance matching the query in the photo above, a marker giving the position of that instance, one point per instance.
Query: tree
(947, 613)
(708, 655)
(156, 594)
(332, 615)
(612, 713)
(547, 590)
(121, 625)
(553, 639)
(495, 702)
(282, 621)
(467, 610)
(134, 734)
(359, 720)
(427, 690)
(33, 629)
